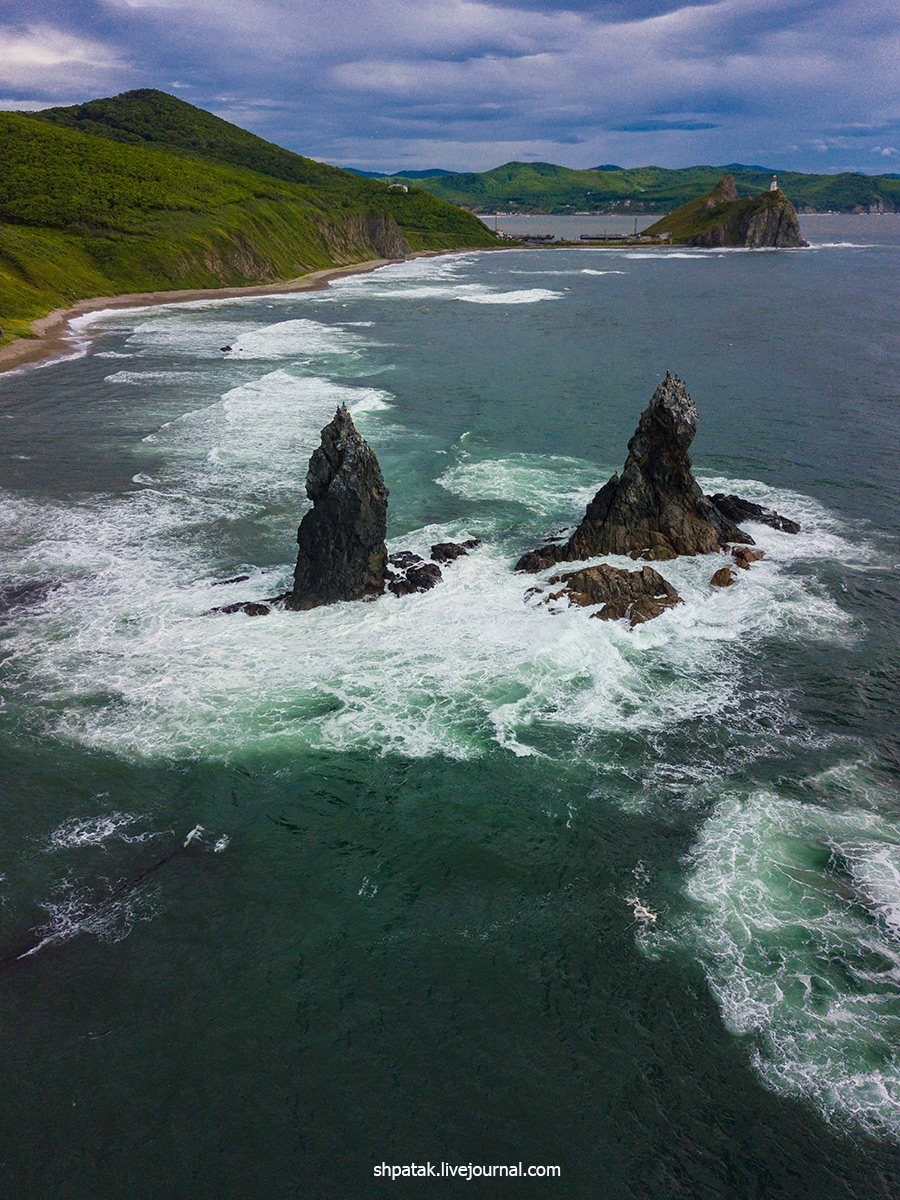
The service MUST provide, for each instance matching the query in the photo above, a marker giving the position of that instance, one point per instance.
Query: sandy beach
(52, 339)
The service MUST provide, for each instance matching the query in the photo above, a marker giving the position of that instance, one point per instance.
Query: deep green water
(408, 927)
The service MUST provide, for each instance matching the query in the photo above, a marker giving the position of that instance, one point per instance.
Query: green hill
(545, 188)
(142, 192)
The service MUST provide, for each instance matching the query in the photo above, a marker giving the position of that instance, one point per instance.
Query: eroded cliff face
(371, 234)
(767, 220)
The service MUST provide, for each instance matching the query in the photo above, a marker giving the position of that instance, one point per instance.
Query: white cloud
(42, 57)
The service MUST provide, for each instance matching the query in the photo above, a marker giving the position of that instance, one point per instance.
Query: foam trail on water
(795, 921)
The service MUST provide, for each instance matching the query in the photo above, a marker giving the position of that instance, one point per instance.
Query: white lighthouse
(773, 186)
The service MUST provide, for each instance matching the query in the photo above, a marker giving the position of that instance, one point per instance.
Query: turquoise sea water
(423, 835)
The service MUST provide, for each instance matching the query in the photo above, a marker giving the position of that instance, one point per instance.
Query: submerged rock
(449, 551)
(655, 510)
(636, 595)
(252, 608)
(411, 573)
(233, 579)
(342, 555)
(737, 509)
(32, 591)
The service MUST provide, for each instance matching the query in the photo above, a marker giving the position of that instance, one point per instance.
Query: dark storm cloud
(465, 84)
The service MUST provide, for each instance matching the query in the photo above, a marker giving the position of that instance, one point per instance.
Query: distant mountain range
(519, 187)
(143, 192)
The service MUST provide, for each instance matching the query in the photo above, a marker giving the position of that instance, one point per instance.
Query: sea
(461, 879)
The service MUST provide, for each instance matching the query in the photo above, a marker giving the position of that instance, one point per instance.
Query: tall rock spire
(342, 555)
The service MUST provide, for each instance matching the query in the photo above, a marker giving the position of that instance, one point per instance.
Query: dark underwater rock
(233, 579)
(655, 510)
(636, 595)
(412, 574)
(252, 608)
(21, 595)
(738, 510)
(342, 555)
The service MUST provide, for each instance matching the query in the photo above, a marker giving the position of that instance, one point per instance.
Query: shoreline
(53, 342)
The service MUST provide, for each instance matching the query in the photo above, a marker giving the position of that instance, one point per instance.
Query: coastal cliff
(722, 218)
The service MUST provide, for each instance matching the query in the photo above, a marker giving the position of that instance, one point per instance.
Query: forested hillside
(144, 192)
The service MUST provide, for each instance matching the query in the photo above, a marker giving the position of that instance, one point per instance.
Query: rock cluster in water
(637, 596)
(342, 553)
(655, 510)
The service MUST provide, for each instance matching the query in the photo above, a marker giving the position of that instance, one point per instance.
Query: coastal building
(773, 186)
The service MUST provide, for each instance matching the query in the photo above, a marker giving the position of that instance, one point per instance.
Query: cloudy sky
(467, 84)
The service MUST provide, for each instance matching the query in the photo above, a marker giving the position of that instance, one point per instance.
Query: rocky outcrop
(723, 578)
(342, 555)
(410, 573)
(449, 551)
(738, 510)
(655, 510)
(722, 218)
(635, 596)
(745, 555)
(375, 233)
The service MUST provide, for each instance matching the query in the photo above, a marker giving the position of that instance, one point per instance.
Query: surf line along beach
(53, 338)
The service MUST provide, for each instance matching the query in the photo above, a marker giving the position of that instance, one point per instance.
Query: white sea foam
(591, 271)
(667, 255)
(526, 296)
(544, 483)
(96, 831)
(449, 671)
(77, 910)
(140, 378)
(301, 338)
(796, 925)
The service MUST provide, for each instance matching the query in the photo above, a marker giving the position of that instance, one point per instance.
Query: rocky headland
(722, 218)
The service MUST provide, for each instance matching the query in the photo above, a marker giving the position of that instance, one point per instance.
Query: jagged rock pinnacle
(655, 510)
(342, 555)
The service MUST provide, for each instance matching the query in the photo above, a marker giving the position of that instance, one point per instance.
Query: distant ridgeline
(143, 192)
(545, 188)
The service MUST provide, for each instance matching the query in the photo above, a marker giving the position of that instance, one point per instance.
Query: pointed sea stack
(342, 553)
(656, 509)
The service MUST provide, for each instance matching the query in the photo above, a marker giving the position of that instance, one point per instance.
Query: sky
(391, 85)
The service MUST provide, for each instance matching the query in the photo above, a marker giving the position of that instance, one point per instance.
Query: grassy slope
(543, 187)
(144, 192)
